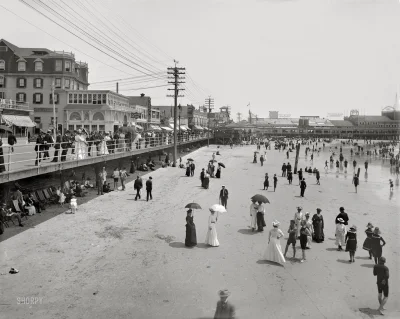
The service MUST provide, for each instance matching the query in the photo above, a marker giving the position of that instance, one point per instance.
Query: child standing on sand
(73, 205)
(292, 238)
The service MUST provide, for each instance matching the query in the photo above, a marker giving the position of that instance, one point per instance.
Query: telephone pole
(209, 105)
(176, 72)
(239, 115)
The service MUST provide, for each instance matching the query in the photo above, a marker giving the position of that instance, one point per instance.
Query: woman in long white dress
(80, 145)
(253, 215)
(211, 238)
(274, 250)
(103, 145)
(121, 143)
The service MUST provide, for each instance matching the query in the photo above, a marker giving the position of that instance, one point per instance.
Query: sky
(298, 57)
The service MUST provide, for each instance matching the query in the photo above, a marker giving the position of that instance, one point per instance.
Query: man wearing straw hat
(224, 310)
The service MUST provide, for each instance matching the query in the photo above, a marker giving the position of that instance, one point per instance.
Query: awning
(166, 128)
(18, 120)
(154, 128)
(198, 127)
(171, 124)
(137, 126)
(187, 129)
(183, 128)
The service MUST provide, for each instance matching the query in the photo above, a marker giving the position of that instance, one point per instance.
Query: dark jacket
(138, 184)
(224, 311)
(223, 193)
(303, 184)
(149, 184)
(344, 216)
(65, 140)
(39, 144)
(11, 139)
(202, 174)
(58, 141)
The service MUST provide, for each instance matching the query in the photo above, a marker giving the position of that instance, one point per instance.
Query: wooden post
(297, 157)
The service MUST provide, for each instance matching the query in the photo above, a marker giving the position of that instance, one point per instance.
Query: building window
(2, 82)
(2, 65)
(2, 95)
(21, 82)
(104, 98)
(70, 100)
(21, 97)
(38, 98)
(58, 65)
(94, 128)
(38, 83)
(76, 98)
(67, 83)
(102, 128)
(58, 83)
(84, 98)
(86, 116)
(98, 116)
(21, 66)
(87, 127)
(75, 116)
(55, 98)
(89, 98)
(71, 127)
(68, 66)
(80, 98)
(37, 120)
(38, 66)
(78, 126)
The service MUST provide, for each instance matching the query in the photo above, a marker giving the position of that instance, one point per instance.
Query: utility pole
(54, 111)
(297, 157)
(176, 72)
(117, 87)
(239, 115)
(210, 106)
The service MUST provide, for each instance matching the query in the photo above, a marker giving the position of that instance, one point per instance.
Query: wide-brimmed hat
(341, 208)
(189, 211)
(224, 293)
(354, 227)
(319, 210)
(299, 207)
(275, 223)
(370, 225)
(307, 214)
(341, 220)
(377, 230)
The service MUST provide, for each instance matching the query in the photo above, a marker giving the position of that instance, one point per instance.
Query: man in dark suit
(48, 141)
(64, 146)
(223, 196)
(39, 149)
(11, 141)
(342, 215)
(57, 146)
(303, 187)
(225, 310)
(138, 186)
(149, 188)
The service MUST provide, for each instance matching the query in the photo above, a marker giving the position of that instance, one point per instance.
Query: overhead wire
(80, 37)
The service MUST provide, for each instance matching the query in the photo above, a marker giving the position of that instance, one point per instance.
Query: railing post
(9, 157)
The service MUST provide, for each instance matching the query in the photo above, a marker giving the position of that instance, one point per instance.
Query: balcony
(65, 54)
(12, 104)
(82, 64)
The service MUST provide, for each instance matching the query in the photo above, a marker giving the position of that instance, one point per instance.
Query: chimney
(142, 95)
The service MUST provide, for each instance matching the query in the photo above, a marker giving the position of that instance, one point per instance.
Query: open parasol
(218, 208)
(260, 198)
(193, 206)
(221, 164)
(190, 159)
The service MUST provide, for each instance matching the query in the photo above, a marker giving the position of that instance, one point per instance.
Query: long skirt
(206, 182)
(187, 171)
(260, 221)
(318, 233)
(218, 174)
(191, 238)
(211, 238)
(274, 252)
(367, 245)
(253, 221)
(340, 238)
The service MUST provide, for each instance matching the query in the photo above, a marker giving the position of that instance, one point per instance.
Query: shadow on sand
(364, 258)
(368, 265)
(370, 312)
(331, 249)
(343, 261)
(177, 244)
(247, 231)
(267, 262)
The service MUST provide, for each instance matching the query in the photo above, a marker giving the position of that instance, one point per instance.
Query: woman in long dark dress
(218, 174)
(376, 247)
(2, 167)
(266, 181)
(367, 245)
(318, 224)
(191, 239)
(351, 242)
(187, 169)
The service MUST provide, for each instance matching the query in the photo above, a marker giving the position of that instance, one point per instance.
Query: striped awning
(154, 128)
(18, 120)
(166, 128)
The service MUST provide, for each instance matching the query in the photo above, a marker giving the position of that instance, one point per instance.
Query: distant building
(27, 75)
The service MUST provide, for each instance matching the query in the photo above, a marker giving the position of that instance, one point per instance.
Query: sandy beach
(121, 258)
